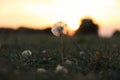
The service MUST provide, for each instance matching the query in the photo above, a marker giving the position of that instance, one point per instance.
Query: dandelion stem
(61, 50)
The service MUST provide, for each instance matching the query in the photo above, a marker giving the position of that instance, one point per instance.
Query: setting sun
(42, 13)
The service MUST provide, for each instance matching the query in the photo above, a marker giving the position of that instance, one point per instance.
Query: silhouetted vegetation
(88, 27)
(23, 30)
(6, 30)
(31, 31)
(116, 33)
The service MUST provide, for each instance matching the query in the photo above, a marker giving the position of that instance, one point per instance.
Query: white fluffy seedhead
(60, 68)
(41, 70)
(60, 28)
(26, 53)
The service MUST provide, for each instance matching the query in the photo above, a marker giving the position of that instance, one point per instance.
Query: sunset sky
(40, 13)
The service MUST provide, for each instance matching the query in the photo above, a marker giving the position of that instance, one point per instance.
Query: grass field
(85, 57)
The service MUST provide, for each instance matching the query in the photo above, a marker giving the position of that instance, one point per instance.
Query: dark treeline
(87, 27)
(23, 30)
(117, 33)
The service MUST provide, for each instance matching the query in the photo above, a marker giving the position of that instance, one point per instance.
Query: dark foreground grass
(85, 57)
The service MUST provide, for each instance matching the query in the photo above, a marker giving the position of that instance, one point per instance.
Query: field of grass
(85, 57)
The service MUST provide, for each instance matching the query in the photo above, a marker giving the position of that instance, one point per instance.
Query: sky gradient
(41, 13)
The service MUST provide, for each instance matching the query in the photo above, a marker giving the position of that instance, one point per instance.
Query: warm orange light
(55, 14)
(42, 13)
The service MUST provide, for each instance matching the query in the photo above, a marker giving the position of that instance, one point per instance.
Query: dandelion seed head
(60, 68)
(41, 70)
(82, 52)
(60, 28)
(68, 62)
(27, 53)
(44, 51)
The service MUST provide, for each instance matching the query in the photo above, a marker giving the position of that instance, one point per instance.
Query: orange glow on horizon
(42, 13)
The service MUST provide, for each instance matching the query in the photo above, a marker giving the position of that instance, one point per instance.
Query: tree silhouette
(87, 27)
(116, 33)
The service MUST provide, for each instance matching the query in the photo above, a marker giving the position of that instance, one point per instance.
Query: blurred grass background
(93, 58)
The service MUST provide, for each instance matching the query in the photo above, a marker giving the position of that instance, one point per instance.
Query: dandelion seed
(44, 51)
(68, 62)
(26, 53)
(59, 29)
(60, 68)
(41, 70)
(82, 52)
